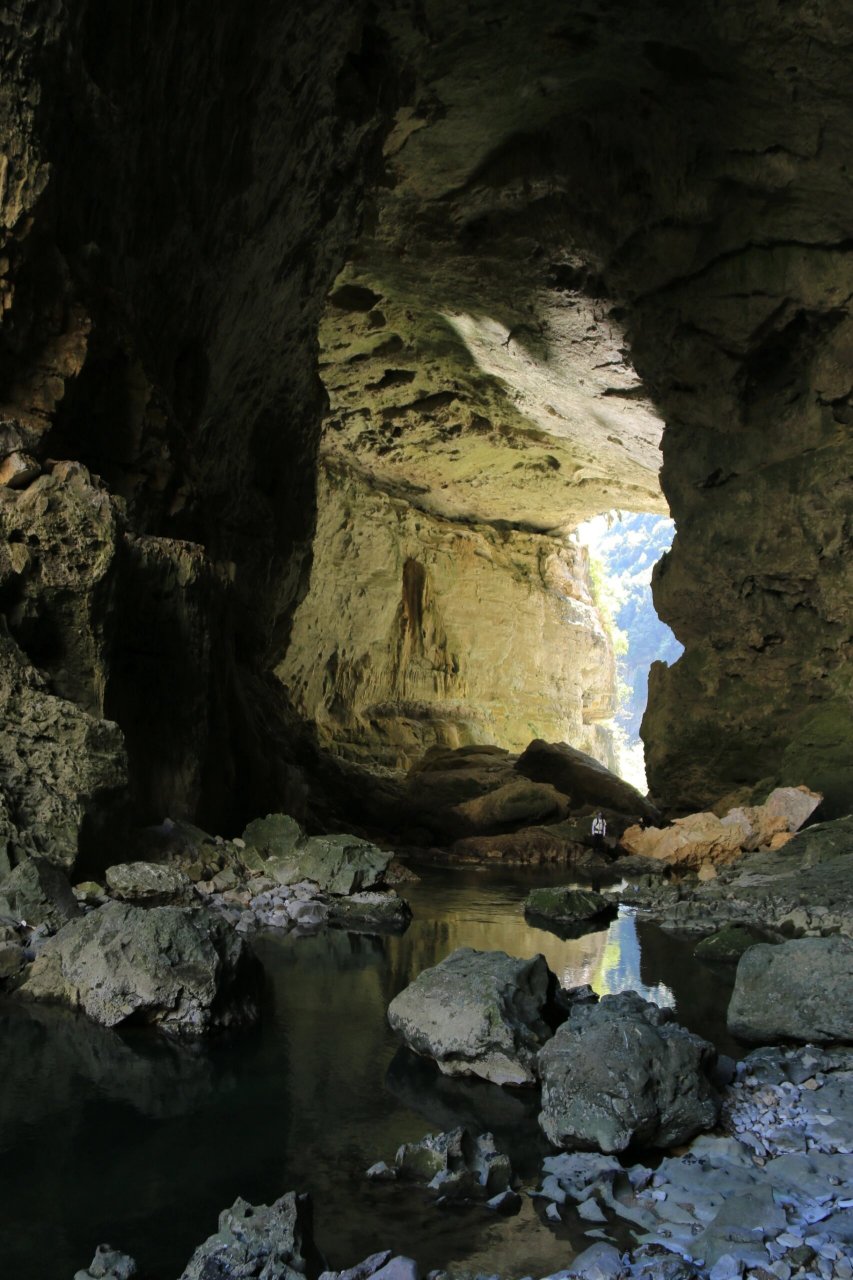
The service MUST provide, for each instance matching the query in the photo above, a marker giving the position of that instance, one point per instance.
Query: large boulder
(582, 778)
(516, 803)
(339, 864)
(182, 970)
(39, 892)
(801, 990)
(690, 842)
(478, 1013)
(622, 1072)
(273, 1241)
(782, 813)
(147, 882)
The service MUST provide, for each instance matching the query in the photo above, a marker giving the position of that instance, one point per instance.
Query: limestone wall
(417, 630)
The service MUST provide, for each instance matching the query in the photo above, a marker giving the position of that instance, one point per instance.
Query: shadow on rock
(448, 1102)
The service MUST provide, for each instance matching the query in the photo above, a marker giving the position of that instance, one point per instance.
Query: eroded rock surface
(620, 1072)
(184, 971)
(478, 1013)
(805, 887)
(275, 1241)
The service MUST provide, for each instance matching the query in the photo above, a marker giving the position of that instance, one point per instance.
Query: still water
(139, 1143)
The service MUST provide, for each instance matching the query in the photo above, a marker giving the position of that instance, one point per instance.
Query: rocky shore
(765, 1196)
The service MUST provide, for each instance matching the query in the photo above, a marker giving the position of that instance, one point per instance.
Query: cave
(322, 333)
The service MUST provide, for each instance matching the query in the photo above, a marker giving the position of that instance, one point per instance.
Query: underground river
(141, 1143)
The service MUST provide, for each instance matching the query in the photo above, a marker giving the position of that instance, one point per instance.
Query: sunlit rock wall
(418, 630)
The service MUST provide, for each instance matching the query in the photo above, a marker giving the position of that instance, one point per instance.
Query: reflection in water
(127, 1139)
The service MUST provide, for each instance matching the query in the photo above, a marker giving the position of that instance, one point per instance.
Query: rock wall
(176, 192)
(417, 630)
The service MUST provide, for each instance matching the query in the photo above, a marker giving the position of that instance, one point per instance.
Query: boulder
(531, 846)
(566, 907)
(622, 1072)
(516, 803)
(339, 864)
(479, 1013)
(582, 778)
(800, 990)
(690, 842)
(147, 882)
(182, 970)
(40, 893)
(385, 911)
(274, 1241)
(274, 836)
(108, 1264)
(783, 812)
(728, 944)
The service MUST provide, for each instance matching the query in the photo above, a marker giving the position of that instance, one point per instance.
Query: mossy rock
(566, 906)
(727, 945)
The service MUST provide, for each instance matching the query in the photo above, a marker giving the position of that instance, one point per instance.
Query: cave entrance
(624, 547)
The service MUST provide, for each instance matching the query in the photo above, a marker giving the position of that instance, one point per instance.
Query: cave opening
(624, 548)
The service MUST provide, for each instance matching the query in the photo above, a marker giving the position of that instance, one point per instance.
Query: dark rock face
(38, 892)
(584, 779)
(801, 990)
(620, 1072)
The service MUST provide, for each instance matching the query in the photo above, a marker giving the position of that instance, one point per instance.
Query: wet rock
(108, 1264)
(620, 1072)
(458, 1165)
(39, 892)
(385, 911)
(478, 1013)
(565, 908)
(182, 970)
(274, 1241)
(147, 882)
(801, 990)
(582, 778)
(727, 945)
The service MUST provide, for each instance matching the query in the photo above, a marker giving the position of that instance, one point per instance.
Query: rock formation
(513, 243)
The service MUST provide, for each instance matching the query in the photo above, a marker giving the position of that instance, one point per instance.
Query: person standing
(599, 831)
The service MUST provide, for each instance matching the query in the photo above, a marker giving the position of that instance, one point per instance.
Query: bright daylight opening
(624, 547)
